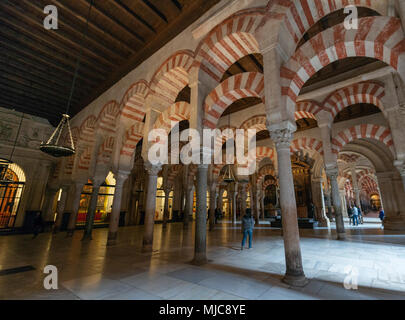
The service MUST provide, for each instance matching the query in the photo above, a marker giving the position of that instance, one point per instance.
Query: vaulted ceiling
(37, 65)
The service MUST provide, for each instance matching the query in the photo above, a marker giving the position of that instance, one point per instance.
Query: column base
(295, 280)
(341, 236)
(87, 237)
(394, 223)
(324, 223)
(112, 238)
(199, 261)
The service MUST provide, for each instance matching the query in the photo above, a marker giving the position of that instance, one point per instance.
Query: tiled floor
(93, 271)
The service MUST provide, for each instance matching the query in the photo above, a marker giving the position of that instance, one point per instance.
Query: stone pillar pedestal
(61, 209)
(200, 246)
(88, 229)
(332, 174)
(166, 208)
(75, 208)
(152, 172)
(120, 179)
(294, 273)
(213, 203)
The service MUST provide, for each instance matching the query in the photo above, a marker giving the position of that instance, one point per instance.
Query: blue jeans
(355, 221)
(245, 234)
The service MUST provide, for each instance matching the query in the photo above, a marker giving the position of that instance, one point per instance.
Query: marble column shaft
(88, 229)
(200, 246)
(75, 208)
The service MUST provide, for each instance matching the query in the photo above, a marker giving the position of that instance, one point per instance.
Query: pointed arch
(256, 122)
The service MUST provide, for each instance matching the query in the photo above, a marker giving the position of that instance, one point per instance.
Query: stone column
(234, 194)
(332, 174)
(75, 208)
(243, 197)
(295, 273)
(152, 172)
(120, 179)
(319, 203)
(47, 209)
(258, 211)
(188, 207)
(200, 254)
(262, 206)
(88, 229)
(60, 209)
(356, 188)
(166, 208)
(344, 203)
(213, 202)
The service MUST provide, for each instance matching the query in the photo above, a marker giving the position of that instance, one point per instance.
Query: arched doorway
(160, 201)
(11, 189)
(104, 202)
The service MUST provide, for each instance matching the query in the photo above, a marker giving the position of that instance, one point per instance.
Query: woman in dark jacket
(247, 228)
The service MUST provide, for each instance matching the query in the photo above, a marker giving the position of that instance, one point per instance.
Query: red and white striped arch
(369, 185)
(266, 170)
(173, 173)
(133, 135)
(84, 159)
(243, 85)
(228, 42)
(306, 143)
(256, 122)
(132, 105)
(171, 77)
(107, 119)
(268, 183)
(88, 129)
(363, 92)
(175, 113)
(106, 150)
(301, 15)
(307, 109)
(381, 38)
(259, 154)
(363, 131)
(221, 139)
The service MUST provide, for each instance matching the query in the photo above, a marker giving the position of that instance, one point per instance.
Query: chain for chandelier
(53, 145)
(228, 176)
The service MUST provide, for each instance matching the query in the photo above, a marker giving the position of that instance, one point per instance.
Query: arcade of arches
(327, 104)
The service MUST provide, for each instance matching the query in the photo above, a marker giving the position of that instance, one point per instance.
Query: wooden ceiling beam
(46, 61)
(115, 22)
(128, 11)
(21, 59)
(151, 11)
(19, 106)
(30, 74)
(29, 31)
(28, 90)
(61, 33)
(37, 87)
(94, 27)
(31, 40)
(192, 12)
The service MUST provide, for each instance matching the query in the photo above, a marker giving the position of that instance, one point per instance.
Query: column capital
(120, 178)
(332, 173)
(282, 137)
(152, 169)
(400, 165)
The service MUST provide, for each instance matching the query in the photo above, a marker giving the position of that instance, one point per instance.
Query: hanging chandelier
(55, 146)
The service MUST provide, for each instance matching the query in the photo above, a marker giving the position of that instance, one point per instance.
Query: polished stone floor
(372, 257)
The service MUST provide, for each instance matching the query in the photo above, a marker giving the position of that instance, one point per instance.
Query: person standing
(350, 213)
(38, 224)
(382, 216)
(355, 216)
(247, 228)
(360, 214)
